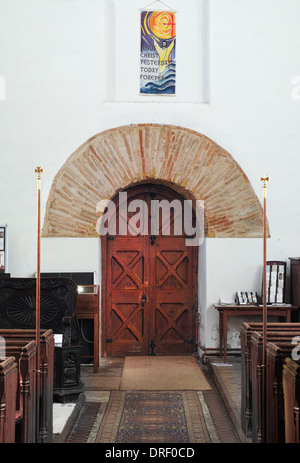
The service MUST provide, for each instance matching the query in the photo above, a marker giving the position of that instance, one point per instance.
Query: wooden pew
(45, 430)
(291, 391)
(246, 371)
(276, 352)
(25, 355)
(8, 393)
(44, 406)
(257, 371)
(246, 382)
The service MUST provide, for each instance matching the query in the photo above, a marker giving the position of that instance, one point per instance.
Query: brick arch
(116, 158)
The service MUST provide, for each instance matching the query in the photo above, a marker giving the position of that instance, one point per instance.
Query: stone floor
(83, 422)
(227, 378)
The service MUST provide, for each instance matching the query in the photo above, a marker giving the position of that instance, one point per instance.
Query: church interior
(149, 283)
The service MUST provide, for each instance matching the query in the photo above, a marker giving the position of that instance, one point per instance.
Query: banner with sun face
(158, 53)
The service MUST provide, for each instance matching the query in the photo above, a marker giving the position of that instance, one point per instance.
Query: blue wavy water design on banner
(165, 85)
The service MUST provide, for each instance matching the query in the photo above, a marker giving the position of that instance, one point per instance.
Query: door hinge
(109, 341)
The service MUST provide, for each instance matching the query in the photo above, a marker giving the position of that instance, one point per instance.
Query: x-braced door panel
(172, 320)
(126, 301)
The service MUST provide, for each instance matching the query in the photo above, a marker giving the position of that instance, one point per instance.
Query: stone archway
(193, 164)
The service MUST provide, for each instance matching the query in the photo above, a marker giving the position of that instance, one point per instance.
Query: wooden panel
(276, 352)
(127, 282)
(44, 427)
(258, 411)
(172, 320)
(8, 390)
(246, 365)
(88, 301)
(25, 354)
(295, 280)
(87, 308)
(291, 389)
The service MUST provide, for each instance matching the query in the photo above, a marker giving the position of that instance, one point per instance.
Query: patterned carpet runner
(156, 417)
(157, 400)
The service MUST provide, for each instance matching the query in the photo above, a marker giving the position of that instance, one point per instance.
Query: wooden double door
(149, 287)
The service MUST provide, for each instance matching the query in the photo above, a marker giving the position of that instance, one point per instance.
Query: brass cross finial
(264, 179)
(38, 171)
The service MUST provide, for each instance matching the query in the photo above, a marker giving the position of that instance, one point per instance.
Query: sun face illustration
(161, 24)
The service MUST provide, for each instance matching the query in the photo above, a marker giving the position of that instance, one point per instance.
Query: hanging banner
(158, 53)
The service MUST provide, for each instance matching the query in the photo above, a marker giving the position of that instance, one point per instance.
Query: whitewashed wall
(53, 57)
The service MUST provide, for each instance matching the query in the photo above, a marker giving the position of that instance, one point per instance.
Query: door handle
(143, 300)
(152, 238)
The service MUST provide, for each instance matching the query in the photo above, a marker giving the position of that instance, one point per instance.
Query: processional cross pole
(264, 180)
(39, 172)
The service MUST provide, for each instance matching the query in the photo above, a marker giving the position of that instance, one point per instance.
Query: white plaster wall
(52, 58)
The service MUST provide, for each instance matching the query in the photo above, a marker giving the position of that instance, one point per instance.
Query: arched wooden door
(148, 282)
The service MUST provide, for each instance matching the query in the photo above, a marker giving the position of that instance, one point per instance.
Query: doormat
(176, 373)
(157, 417)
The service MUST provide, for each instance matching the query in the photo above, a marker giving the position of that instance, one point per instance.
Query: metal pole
(38, 171)
(264, 179)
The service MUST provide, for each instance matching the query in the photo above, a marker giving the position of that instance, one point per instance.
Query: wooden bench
(25, 355)
(8, 394)
(291, 392)
(246, 371)
(257, 372)
(274, 429)
(44, 407)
